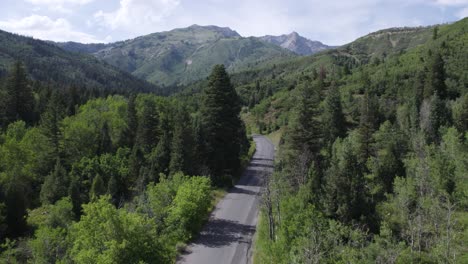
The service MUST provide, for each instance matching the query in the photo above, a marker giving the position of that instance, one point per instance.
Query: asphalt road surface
(227, 237)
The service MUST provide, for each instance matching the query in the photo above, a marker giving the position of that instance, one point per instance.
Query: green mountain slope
(184, 55)
(48, 63)
(368, 137)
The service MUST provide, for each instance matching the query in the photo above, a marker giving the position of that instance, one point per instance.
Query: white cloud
(462, 13)
(137, 16)
(452, 2)
(59, 2)
(59, 6)
(43, 27)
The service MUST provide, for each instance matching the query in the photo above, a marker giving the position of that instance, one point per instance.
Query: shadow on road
(242, 190)
(261, 159)
(220, 232)
(260, 165)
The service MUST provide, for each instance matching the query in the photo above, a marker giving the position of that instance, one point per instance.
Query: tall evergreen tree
(438, 116)
(160, 157)
(367, 125)
(55, 185)
(104, 141)
(16, 204)
(344, 189)
(50, 124)
(98, 188)
(182, 143)
(435, 80)
(222, 126)
(148, 132)
(128, 136)
(333, 117)
(19, 103)
(304, 132)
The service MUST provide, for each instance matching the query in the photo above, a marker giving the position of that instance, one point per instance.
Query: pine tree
(367, 125)
(222, 126)
(55, 185)
(75, 195)
(104, 142)
(148, 132)
(435, 80)
(305, 132)
(344, 190)
(97, 188)
(333, 117)
(113, 188)
(50, 124)
(438, 117)
(73, 100)
(16, 205)
(182, 143)
(160, 158)
(19, 103)
(128, 136)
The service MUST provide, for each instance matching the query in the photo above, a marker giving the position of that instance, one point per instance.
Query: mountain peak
(225, 31)
(296, 43)
(294, 34)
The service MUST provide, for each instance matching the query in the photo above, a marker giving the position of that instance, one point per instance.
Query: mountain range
(50, 64)
(185, 55)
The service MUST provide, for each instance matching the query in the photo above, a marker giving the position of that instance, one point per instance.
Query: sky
(331, 21)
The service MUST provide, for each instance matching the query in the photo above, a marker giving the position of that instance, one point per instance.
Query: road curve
(227, 237)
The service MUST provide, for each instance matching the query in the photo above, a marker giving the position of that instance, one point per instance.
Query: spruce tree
(367, 125)
(304, 132)
(148, 132)
(222, 126)
(104, 141)
(344, 189)
(50, 124)
(16, 205)
(435, 79)
(160, 157)
(438, 117)
(19, 103)
(333, 117)
(128, 136)
(182, 143)
(97, 188)
(55, 185)
(75, 194)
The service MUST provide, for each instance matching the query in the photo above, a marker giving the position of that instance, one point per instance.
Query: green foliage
(108, 235)
(50, 243)
(55, 185)
(182, 56)
(333, 119)
(223, 131)
(48, 63)
(18, 101)
(393, 184)
(190, 207)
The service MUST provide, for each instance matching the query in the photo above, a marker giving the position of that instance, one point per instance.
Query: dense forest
(373, 153)
(372, 161)
(104, 179)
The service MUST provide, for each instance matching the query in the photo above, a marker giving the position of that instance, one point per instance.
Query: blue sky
(332, 22)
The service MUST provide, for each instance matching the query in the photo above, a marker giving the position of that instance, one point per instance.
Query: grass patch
(275, 137)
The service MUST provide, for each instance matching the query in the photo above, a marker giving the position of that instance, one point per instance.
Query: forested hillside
(49, 64)
(96, 166)
(181, 56)
(373, 154)
(107, 182)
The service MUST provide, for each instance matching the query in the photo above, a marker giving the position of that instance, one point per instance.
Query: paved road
(227, 237)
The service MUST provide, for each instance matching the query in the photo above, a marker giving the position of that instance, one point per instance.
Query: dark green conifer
(222, 126)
